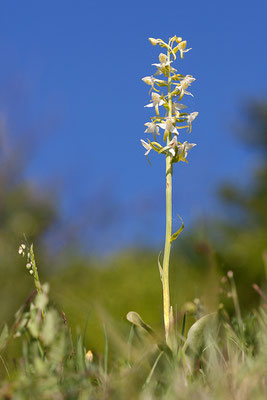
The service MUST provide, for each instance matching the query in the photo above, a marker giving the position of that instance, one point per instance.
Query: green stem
(167, 249)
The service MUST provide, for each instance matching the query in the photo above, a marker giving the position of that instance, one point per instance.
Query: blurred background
(73, 175)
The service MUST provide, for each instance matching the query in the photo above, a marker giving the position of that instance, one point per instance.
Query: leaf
(197, 334)
(3, 337)
(136, 320)
(148, 379)
(176, 234)
(50, 327)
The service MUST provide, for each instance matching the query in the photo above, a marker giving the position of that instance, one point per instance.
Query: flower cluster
(175, 117)
(22, 251)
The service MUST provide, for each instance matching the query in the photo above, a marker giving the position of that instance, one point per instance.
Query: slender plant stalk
(167, 249)
(174, 151)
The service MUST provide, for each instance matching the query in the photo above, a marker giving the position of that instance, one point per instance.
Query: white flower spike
(174, 86)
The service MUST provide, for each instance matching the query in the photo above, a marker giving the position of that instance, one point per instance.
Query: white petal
(174, 130)
(190, 94)
(162, 125)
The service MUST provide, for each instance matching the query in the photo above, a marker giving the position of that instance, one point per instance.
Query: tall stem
(167, 249)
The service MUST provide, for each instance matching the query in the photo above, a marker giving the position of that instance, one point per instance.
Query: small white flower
(182, 48)
(152, 128)
(147, 146)
(190, 118)
(149, 80)
(156, 100)
(183, 85)
(28, 265)
(22, 247)
(172, 146)
(184, 148)
(169, 125)
(163, 63)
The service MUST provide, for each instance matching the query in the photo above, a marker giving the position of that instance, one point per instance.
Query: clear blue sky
(74, 70)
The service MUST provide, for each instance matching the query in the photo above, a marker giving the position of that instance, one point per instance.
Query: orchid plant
(173, 120)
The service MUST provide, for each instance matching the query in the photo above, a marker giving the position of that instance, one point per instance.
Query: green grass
(220, 357)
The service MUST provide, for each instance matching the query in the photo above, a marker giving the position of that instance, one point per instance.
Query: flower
(182, 48)
(149, 80)
(183, 85)
(156, 102)
(172, 146)
(147, 146)
(163, 64)
(21, 250)
(169, 125)
(190, 118)
(183, 149)
(152, 128)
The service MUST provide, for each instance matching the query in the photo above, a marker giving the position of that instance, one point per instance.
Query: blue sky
(72, 75)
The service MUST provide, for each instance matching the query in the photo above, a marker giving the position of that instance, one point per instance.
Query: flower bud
(162, 58)
(153, 41)
(89, 356)
(230, 274)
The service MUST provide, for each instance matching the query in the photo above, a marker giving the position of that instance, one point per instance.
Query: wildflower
(190, 118)
(28, 265)
(169, 125)
(183, 85)
(149, 80)
(183, 149)
(163, 64)
(21, 251)
(152, 128)
(147, 146)
(182, 48)
(156, 102)
(172, 146)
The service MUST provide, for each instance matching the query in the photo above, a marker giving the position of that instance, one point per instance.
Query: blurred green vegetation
(90, 290)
